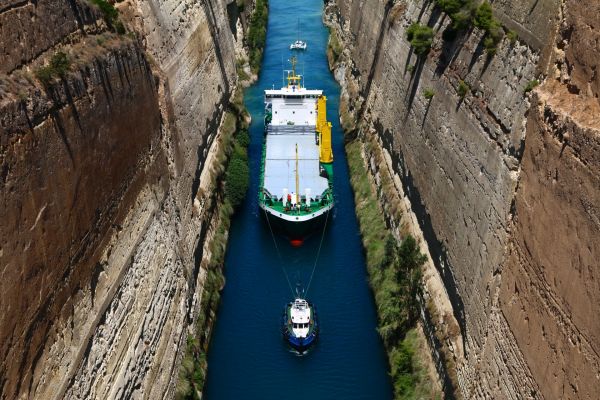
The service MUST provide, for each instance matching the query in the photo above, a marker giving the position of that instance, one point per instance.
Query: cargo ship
(296, 183)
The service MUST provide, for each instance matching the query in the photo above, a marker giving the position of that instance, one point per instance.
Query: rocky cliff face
(502, 184)
(107, 207)
(549, 290)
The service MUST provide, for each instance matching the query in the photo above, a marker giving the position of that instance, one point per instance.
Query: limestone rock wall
(191, 41)
(105, 193)
(28, 28)
(61, 197)
(461, 164)
(550, 288)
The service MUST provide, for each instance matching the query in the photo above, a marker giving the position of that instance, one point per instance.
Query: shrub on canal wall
(468, 13)
(238, 173)
(334, 48)
(395, 278)
(257, 34)
(230, 183)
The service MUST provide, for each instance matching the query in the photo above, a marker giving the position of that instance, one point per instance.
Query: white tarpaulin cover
(280, 165)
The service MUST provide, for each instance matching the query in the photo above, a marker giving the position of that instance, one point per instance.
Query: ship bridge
(292, 105)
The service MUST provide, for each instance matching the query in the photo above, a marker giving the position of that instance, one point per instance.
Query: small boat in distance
(300, 327)
(298, 45)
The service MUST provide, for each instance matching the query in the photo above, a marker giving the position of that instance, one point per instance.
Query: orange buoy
(296, 242)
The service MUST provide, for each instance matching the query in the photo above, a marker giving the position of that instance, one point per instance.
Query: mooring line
(287, 278)
(318, 252)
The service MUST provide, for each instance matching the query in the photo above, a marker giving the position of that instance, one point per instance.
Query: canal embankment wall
(491, 160)
(110, 146)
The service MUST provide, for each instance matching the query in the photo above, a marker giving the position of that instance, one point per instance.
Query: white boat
(298, 45)
(300, 327)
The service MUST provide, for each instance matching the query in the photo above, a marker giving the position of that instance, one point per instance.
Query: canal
(247, 358)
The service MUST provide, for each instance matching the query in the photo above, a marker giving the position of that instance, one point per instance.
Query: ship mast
(292, 78)
(297, 178)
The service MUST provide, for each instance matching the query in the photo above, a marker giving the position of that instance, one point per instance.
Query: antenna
(282, 72)
(303, 76)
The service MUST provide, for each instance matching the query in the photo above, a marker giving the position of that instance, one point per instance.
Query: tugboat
(300, 328)
(296, 187)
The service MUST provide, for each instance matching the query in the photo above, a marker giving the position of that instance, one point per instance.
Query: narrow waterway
(247, 357)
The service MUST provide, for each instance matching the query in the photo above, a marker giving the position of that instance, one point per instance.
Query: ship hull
(301, 345)
(295, 229)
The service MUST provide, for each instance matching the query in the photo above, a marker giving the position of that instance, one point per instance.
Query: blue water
(247, 358)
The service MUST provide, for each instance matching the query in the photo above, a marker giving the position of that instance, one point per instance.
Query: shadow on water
(247, 357)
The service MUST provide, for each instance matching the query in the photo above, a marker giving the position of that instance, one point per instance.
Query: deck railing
(290, 129)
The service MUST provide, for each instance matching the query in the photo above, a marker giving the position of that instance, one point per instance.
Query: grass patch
(512, 36)
(57, 67)
(463, 89)
(409, 376)
(395, 278)
(372, 224)
(428, 93)
(531, 85)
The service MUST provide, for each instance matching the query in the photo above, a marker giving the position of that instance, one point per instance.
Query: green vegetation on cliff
(238, 173)
(428, 93)
(462, 89)
(57, 67)
(395, 278)
(334, 48)
(257, 33)
(461, 12)
(466, 13)
(531, 85)
(230, 184)
(420, 38)
(111, 15)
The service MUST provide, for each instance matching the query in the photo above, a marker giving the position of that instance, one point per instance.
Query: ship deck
(280, 162)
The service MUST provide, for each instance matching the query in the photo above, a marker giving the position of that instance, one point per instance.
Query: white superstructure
(301, 315)
(293, 105)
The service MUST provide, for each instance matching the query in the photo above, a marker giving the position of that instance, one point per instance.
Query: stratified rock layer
(504, 191)
(107, 207)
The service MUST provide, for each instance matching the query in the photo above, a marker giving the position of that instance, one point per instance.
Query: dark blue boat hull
(301, 345)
